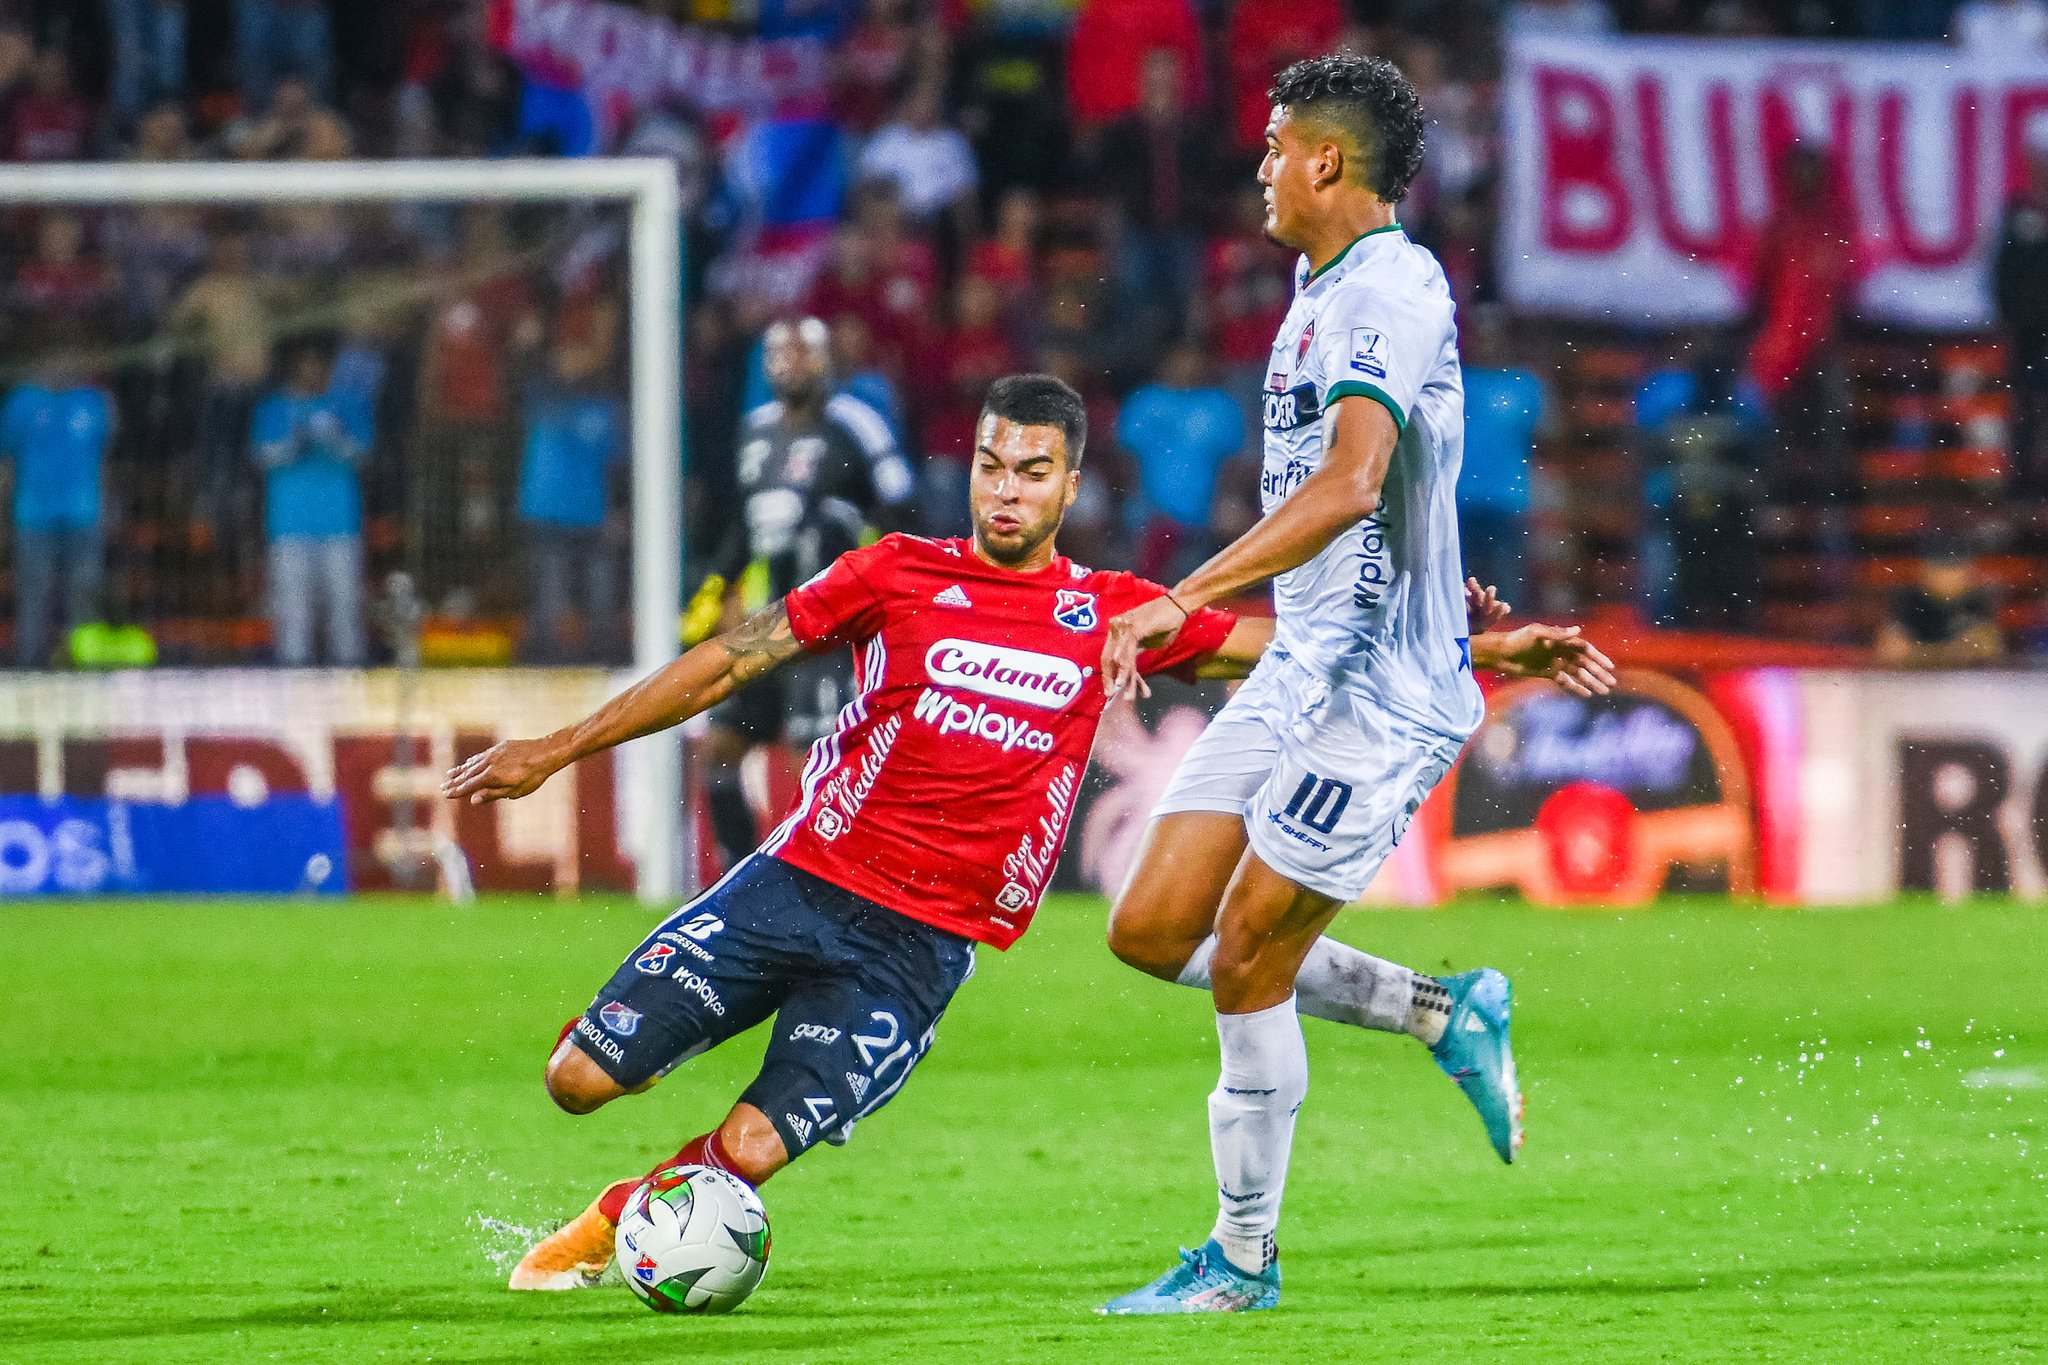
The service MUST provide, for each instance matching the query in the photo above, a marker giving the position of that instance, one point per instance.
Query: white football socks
(1251, 1127)
(1339, 983)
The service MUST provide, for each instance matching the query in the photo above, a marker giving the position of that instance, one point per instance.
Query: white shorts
(1326, 782)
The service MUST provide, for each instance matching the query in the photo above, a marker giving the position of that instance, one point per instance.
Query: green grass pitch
(312, 1133)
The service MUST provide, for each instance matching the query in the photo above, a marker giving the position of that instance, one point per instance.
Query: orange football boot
(575, 1254)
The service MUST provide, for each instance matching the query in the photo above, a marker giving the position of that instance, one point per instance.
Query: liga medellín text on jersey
(946, 790)
(1380, 613)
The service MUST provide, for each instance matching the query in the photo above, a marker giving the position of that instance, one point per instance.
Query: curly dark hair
(1040, 400)
(1370, 99)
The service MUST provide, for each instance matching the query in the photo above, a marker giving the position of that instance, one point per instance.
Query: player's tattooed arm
(759, 643)
(1559, 653)
(698, 681)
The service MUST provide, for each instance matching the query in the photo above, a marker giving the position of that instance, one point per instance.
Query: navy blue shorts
(856, 990)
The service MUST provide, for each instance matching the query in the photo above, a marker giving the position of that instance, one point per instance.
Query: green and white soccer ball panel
(693, 1240)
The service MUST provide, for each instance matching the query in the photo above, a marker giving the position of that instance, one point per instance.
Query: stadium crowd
(224, 427)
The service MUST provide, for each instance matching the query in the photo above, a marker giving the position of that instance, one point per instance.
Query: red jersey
(946, 790)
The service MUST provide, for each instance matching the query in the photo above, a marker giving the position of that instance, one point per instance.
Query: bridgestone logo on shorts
(953, 717)
(1021, 675)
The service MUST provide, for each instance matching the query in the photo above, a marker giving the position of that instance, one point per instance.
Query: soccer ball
(693, 1240)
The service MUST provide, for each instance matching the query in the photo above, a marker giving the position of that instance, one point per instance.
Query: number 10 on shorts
(1319, 802)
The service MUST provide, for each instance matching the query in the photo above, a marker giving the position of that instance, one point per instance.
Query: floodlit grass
(304, 1132)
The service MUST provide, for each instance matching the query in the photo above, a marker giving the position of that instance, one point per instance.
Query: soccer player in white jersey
(1285, 808)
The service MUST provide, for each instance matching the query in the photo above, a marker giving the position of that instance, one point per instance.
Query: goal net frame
(654, 255)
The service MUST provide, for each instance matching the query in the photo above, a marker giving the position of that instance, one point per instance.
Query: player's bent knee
(1251, 973)
(1138, 944)
(578, 1085)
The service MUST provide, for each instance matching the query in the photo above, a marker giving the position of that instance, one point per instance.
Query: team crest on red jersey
(1074, 610)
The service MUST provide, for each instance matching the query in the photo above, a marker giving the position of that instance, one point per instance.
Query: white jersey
(1380, 613)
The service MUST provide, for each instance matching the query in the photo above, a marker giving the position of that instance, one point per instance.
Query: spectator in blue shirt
(310, 443)
(1506, 408)
(1701, 433)
(575, 447)
(1179, 430)
(55, 431)
(853, 360)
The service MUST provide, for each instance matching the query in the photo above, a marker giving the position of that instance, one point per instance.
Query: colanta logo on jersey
(954, 717)
(1022, 675)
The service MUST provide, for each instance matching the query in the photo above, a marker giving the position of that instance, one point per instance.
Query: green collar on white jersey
(1331, 264)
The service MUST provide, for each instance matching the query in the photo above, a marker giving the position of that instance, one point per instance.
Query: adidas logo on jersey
(954, 596)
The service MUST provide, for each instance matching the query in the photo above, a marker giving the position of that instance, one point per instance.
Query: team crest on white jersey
(1075, 610)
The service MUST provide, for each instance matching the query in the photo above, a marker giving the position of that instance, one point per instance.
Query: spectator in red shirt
(1800, 296)
(972, 354)
(62, 280)
(481, 319)
(1107, 52)
(1155, 166)
(1247, 287)
(1263, 37)
(1009, 257)
(881, 273)
(876, 59)
(50, 121)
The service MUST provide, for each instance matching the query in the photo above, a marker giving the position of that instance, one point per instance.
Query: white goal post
(648, 187)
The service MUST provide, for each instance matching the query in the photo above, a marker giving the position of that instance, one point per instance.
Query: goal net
(398, 417)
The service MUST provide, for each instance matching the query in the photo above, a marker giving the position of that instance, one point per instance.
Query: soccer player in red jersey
(929, 821)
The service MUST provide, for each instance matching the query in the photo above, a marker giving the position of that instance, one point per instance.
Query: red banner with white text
(1640, 173)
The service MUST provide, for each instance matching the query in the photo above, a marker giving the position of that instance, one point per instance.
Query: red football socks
(704, 1151)
(698, 1151)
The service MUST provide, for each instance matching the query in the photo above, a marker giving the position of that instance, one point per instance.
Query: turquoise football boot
(1475, 1053)
(1204, 1282)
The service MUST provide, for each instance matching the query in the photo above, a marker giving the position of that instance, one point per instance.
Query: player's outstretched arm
(1559, 653)
(1241, 649)
(1358, 441)
(696, 682)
